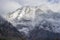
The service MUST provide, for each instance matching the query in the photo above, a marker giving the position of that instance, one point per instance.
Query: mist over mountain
(30, 17)
(27, 19)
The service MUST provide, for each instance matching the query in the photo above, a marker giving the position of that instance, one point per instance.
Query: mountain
(28, 17)
(40, 34)
(8, 31)
(25, 19)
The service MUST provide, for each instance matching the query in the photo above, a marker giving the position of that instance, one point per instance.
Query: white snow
(35, 16)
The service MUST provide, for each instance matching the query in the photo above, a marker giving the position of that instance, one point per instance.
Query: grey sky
(11, 5)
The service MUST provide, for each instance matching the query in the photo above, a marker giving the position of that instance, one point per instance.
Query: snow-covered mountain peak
(31, 17)
(26, 12)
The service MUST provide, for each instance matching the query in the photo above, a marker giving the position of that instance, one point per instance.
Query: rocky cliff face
(7, 30)
(40, 34)
(27, 19)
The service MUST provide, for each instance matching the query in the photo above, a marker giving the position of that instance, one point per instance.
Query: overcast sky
(11, 5)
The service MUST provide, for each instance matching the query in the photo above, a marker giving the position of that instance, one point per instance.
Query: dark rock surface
(40, 34)
(8, 31)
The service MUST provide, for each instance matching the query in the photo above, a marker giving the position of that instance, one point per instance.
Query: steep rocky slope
(8, 31)
(27, 19)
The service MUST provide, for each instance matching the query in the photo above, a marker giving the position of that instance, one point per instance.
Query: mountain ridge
(8, 31)
(27, 18)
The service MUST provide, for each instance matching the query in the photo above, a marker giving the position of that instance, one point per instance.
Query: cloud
(32, 2)
(55, 7)
(11, 5)
(54, 1)
(8, 6)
